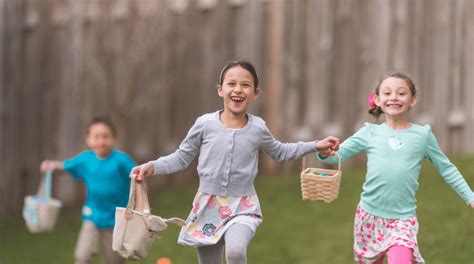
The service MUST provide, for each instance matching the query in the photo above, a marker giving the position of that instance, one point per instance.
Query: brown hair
(242, 63)
(103, 120)
(375, 110)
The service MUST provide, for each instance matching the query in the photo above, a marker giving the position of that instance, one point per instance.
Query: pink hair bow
(371, 101)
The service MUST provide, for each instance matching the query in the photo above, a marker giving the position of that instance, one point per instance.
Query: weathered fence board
(13, 169)
(467, 77)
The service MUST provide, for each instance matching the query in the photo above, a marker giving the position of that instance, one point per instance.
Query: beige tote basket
(135, 227)
(315, 187)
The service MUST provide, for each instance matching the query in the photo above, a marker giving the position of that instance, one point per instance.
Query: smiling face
(100, 138)
(395, 98)
(237, 90)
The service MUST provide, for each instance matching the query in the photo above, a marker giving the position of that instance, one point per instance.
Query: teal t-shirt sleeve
(75, 165)
(351, 146)
(128, 164)
(447, 169)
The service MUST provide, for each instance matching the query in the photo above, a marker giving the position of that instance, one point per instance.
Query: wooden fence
(153, 66)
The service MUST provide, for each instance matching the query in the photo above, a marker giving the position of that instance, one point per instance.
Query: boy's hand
(50, 165)
(328, 145)
(142, 171)
(472, 205)
(45, 166)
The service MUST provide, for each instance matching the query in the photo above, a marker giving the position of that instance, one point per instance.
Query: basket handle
(303, 163)
(45, 186)
(142, 202)
(138, 197)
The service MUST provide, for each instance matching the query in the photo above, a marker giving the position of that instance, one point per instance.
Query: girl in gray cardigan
(226, 211)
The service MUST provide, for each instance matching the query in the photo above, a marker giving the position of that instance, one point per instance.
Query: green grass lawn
(293, 231)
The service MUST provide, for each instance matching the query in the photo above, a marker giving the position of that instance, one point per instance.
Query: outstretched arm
(176, 161)
(328, 146)
(448, 170)
(351, 146)
(51, 165)
(142, 171)
(280, 151)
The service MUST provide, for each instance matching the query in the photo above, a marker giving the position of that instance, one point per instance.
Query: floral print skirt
(373, 236)
(212, 215)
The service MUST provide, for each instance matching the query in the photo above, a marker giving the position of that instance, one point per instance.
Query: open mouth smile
(394, 105)
(237, 99)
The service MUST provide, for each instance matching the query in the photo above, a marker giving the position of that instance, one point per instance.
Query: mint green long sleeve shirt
(394, 160)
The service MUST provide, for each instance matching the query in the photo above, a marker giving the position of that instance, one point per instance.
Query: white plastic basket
(40, 211)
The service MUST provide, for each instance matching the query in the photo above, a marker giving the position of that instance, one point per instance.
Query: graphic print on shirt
(395, 142)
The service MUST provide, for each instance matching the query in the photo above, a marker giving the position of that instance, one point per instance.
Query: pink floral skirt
(373, 236)
(212, 215)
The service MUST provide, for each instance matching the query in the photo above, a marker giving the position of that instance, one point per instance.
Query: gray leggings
(236, 239)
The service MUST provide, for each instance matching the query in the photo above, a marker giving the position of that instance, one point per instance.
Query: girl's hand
(328, 145)
(142, 171)
(472, 205)
(326, 153)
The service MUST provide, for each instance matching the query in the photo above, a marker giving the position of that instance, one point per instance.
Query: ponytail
(376, 111)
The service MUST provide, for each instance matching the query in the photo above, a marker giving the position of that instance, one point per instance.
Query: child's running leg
(86, 245)
(378, 261)
(108, 255)
(237, 238)
(211, 254)
(400, 255)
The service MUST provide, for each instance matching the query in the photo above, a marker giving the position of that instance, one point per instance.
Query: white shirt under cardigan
(228, 159)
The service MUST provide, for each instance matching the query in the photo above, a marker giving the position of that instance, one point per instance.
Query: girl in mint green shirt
(386, 222)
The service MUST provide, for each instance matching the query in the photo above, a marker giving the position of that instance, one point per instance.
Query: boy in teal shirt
(105, 173)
